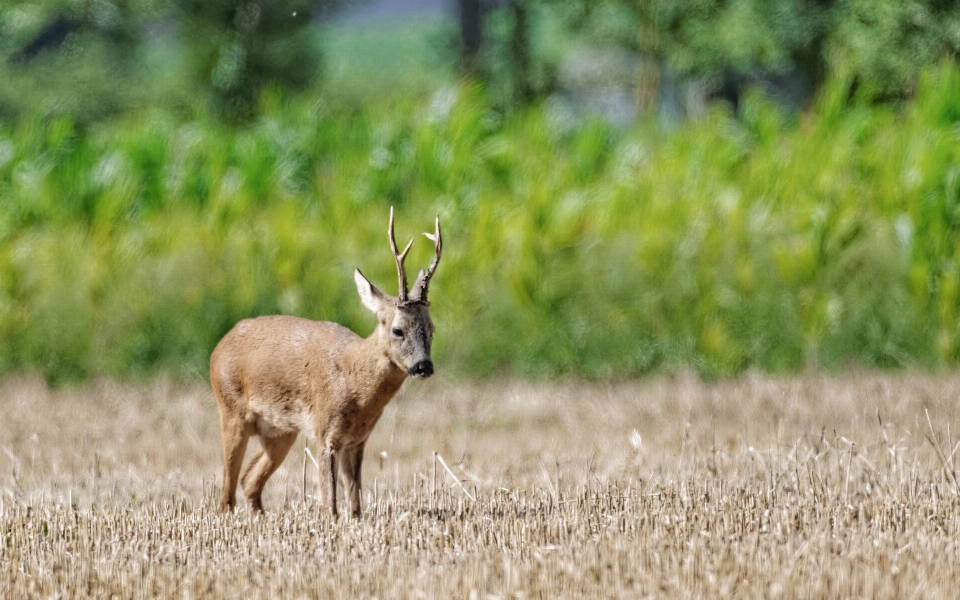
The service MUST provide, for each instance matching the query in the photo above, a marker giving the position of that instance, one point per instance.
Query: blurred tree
(879, 45)
(497, 46)
(91, 58)
(71, 57)
(882, 45)
(235, 47)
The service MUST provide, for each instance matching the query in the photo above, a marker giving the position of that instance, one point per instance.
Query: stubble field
(802, 487)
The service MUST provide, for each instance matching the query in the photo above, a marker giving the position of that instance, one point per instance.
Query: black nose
(424, 368)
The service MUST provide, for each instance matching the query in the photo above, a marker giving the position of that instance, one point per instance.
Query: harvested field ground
(806, 487)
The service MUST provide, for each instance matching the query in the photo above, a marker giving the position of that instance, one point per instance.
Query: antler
(399, 257)
(423, 281)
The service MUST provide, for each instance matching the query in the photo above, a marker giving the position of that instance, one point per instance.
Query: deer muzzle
(422, 369)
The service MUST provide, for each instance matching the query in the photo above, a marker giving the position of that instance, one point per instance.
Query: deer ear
(371, 296)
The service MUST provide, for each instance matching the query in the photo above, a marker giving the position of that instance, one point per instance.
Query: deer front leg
(328, 479)
(351, 461)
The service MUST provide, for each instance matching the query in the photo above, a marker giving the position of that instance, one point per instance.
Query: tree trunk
(520, 52)
(471, 33)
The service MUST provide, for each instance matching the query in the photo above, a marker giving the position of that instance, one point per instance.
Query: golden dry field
(802, 487)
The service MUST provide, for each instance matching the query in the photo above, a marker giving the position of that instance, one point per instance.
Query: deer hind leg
(328, 478)
(271, 453)
(235, 435)
(351, 461)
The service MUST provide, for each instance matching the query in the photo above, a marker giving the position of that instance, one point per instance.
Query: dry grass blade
(932, 438)
(453, 476)
(312, 459)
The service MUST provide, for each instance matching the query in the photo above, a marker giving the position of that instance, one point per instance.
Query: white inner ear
(365, 289)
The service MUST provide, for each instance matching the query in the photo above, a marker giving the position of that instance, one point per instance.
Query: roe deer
(278, 376)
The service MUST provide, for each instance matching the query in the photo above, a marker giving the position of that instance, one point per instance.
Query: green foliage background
(763, 239)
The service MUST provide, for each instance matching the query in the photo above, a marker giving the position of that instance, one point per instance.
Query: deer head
(404, 329)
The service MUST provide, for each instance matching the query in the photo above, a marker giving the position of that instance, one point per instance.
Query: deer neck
(375, 373)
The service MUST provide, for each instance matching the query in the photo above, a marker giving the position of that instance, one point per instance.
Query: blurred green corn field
(759, 240)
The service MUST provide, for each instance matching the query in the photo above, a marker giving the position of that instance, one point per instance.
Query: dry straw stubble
(756, 488)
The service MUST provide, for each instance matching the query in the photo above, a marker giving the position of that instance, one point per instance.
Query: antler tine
(399, 257)
(438, 244)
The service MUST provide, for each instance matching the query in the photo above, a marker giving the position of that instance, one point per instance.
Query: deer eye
(397, 333)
